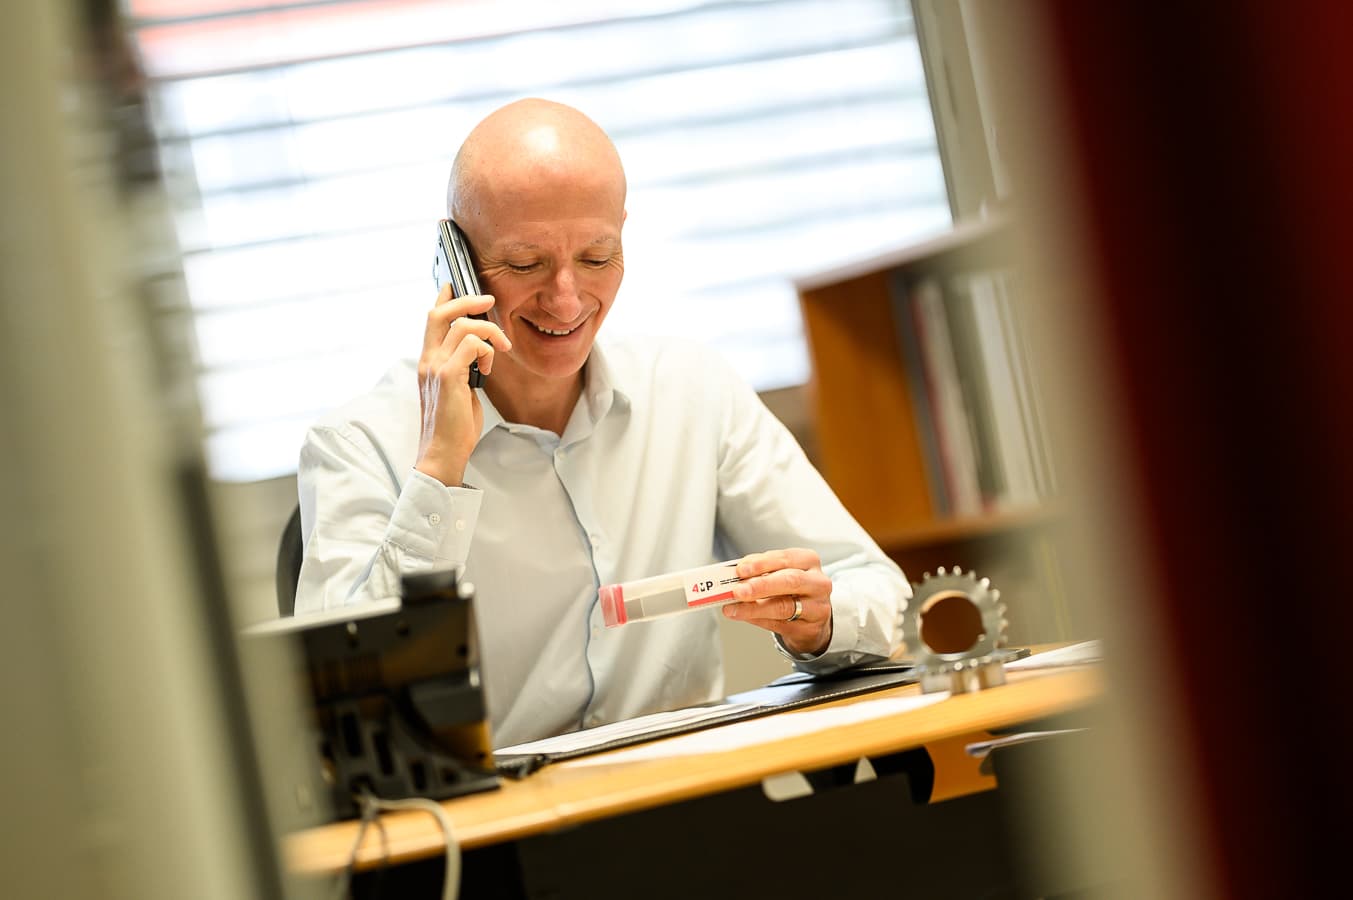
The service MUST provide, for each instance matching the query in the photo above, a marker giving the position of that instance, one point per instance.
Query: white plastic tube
(666, 595)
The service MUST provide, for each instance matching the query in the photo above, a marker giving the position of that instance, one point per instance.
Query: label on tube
(711, 584)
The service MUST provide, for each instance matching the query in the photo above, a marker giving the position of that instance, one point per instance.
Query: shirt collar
(492, 418)
(600, 395)
(600, 390)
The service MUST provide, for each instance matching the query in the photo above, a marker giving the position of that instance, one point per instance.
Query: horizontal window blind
(307, 146)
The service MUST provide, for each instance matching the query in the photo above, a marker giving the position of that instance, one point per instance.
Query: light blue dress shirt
(668, 462)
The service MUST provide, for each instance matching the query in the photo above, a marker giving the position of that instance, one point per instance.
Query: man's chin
(552, 367)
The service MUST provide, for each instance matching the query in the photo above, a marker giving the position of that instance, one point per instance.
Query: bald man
(579, 463)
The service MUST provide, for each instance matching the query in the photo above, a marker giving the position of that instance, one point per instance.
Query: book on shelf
(975, 374)
(1027, 385)
(952, 424)
(999, 386)
(975, 393)
(920, 389)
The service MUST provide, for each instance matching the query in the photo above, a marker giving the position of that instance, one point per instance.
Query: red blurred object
(1214, 146)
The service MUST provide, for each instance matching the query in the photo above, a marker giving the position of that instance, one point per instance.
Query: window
(308, 143)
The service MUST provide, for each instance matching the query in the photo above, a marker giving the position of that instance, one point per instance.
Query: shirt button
(460, 524)
(434, 519)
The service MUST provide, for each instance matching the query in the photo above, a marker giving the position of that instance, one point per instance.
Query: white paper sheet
(982, 749)
(764, 730)
(604, 734)
(1073, 655)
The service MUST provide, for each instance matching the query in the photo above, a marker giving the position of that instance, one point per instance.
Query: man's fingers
(435, 328)
(779, 609)
(448, 309)
(759, 563)
(481, 328)
(787, 582)
(776, 583)
(811, 632)
(470, 349)
(791, 558)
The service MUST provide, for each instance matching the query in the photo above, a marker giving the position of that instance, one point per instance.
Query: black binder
(792, 691)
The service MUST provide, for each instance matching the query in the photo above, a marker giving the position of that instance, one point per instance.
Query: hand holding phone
(453, 265)
(452, 417)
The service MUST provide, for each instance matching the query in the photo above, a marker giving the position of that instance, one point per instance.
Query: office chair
(289, 552)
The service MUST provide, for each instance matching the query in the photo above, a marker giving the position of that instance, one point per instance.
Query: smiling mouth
(554, 332)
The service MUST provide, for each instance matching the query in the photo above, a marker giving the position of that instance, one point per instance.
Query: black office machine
(396, 701)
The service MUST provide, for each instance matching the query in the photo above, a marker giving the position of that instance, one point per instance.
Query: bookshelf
(886, 415)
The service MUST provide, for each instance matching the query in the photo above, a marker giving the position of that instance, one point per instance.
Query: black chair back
(289, 552)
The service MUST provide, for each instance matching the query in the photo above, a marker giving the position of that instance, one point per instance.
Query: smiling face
(551, 257)
(540, 195)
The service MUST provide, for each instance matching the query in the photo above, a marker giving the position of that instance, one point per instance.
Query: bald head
(533, 149)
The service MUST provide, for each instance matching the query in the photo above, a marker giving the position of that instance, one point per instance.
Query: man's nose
(563, 302)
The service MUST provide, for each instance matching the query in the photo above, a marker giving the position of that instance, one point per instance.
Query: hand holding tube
(786, 592)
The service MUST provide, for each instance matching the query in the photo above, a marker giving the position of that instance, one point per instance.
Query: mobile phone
(453, 264)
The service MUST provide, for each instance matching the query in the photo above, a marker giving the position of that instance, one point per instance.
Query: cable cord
(369, 812)
(371, 804)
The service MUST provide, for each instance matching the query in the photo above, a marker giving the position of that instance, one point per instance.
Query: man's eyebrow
(518, 247)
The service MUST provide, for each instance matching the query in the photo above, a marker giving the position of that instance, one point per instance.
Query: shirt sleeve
(363, 529)
(771, 497)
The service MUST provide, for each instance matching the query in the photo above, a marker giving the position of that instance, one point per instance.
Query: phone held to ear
(454, 264)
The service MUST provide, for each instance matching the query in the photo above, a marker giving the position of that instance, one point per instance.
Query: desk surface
(570, 793)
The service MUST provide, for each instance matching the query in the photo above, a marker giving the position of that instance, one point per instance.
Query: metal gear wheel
(953, 627)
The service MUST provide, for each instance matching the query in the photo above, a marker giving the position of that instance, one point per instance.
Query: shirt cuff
(434, 522)
(845, 635)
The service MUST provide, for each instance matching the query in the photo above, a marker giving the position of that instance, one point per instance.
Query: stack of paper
(1072, 655)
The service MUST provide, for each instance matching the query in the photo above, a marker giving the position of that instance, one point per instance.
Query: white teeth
(552, 331)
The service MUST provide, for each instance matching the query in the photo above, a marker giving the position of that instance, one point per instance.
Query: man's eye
(596, 263)
(521, 267)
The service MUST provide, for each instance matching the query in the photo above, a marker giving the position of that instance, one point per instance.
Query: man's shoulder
(682, 382)
(371, 410)
(639, 357)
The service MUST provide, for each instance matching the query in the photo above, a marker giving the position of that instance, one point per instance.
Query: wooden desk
(571, 793)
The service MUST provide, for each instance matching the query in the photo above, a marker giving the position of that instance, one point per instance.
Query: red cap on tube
(613, 605)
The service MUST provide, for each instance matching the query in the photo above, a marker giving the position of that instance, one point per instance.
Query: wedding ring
(798, 611)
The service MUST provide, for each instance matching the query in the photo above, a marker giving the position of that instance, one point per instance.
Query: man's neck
(542, 404)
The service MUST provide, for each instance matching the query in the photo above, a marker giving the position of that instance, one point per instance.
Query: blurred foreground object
(131, 758)
(1183, 187)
